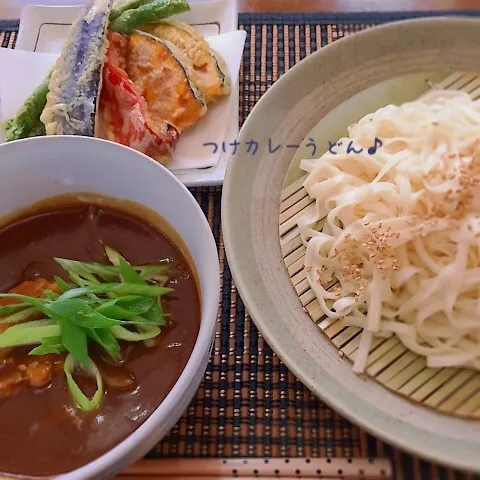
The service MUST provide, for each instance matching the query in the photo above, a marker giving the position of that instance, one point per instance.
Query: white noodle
(399, 230)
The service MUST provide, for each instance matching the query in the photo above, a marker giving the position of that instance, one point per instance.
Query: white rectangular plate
(44, 28)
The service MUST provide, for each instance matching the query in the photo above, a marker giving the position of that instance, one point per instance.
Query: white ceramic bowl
(36, 168)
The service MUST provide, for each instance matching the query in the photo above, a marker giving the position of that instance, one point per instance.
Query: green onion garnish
(82, 400)
(102, 304)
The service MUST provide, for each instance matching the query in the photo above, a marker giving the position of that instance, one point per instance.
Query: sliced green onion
(62, 284)
(129, 275)
(75, 340)
(107, 340)
(157, 274)
(89, 310)
(149, 342)
(156, 315)
(79, 280)
(28, 334)
(9, 309)
(50, 295)
(49, 345)
(77, 312)
(118, 288)
(126, 307)
(32, 324)
(125, 334)
(87, 404)
(113, 256)
(36, 302)
(153, 272)
(82, 268)
(110, 273)
(20, 316)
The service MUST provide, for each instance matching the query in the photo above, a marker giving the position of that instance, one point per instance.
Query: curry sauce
(43, 431)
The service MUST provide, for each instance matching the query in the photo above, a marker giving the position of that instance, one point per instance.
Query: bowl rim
(194, 370)
(240, 275)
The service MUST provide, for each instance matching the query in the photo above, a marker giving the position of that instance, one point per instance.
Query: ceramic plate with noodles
(393, 241)
(273, 210)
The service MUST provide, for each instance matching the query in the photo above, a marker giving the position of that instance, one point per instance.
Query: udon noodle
(393, 239)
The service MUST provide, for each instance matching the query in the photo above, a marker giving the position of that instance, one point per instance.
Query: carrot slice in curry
(32, 288)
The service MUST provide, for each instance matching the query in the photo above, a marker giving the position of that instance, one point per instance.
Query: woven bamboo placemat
(249, 404)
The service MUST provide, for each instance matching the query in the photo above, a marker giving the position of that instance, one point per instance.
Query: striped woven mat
(249, 404)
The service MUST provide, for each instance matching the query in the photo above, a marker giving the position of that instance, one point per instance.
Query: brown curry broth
(42, 432)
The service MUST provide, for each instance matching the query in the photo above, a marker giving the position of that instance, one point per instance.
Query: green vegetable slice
(149, 13)
(50, 295)
(106, 304)
(122, 6)
(38, 130)
(36, 302)
(119, 289)
(9, 309)
(126, 307)
(19, 316)
(27, 118)
(49, 345)
(113, 256)
(87, 404)
(28, 334)
(156, 315)
(111, 273)
(75, 340)
(32, 324)
(62, 284)
(107, 340)
(129, 275)
(85, 270)
(76, 311)
(125, 334)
